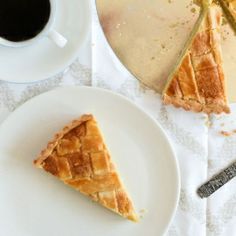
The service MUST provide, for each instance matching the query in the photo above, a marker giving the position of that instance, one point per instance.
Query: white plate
(44, 59)
(35, 203)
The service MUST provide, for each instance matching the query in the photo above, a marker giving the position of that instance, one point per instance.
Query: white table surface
(201, 148)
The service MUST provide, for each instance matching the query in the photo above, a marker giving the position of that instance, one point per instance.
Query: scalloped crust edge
(213, 106)
(53, 143)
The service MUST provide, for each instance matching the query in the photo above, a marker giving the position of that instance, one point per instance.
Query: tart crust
(78, 156)
(197, 82)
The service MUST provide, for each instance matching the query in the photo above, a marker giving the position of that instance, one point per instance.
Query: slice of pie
(197, 81)
(78, 156)
(229, 8)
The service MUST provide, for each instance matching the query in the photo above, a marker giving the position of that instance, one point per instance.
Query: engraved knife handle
(217, 181)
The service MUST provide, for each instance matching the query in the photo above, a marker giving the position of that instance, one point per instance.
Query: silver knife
(217, 181)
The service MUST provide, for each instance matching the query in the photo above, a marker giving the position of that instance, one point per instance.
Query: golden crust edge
(52, 144)
(133, 215)
(216, 106)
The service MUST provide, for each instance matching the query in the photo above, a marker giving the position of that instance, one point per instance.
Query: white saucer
(44, 59)
(35, 203)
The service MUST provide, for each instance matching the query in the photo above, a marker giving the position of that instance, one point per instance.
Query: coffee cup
(19, 37)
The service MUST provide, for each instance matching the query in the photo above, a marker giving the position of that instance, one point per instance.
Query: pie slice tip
(79, 157)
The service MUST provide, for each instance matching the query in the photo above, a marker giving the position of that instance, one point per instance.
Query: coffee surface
(21, 20)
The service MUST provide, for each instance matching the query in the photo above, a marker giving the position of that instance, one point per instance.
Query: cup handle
(57, 38)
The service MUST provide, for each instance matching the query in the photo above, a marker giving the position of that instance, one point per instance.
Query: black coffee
(23, 19)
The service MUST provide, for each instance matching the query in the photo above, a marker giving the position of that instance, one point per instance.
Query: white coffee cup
(48, 32)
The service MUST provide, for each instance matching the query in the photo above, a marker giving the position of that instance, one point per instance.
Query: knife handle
(217, 181)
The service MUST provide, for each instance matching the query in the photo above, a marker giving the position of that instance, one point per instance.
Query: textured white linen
(200, 147)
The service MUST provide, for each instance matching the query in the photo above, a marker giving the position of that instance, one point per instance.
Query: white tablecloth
(201, 148)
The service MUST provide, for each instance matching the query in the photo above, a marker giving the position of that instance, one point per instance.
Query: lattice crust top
(78, 156)
(199, 82)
